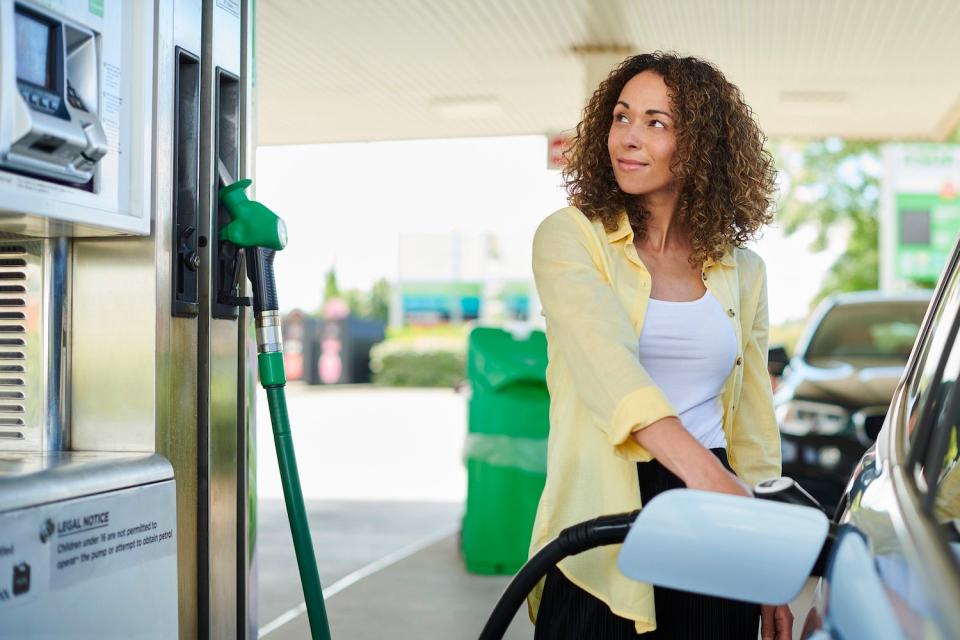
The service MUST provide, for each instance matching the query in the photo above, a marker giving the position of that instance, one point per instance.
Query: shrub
(420, 363)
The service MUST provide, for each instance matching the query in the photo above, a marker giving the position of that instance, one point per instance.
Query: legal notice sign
(116, 548)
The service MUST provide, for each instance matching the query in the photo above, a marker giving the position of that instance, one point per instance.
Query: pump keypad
(41, 100)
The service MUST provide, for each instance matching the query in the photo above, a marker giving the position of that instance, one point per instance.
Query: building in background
(456, 277)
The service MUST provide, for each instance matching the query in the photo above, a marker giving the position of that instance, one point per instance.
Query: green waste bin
(506, 447)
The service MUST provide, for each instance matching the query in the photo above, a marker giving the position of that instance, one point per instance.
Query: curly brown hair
(726, 178)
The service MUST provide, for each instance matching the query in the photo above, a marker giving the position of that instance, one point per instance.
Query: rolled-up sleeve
(592, 331)
(756, 438)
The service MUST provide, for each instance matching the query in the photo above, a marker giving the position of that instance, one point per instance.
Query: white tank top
(689, 349)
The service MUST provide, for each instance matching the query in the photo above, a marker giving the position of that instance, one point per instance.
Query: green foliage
(374, 304)
(380, 300)
(833, 186)
(424, 363)
(330, 288)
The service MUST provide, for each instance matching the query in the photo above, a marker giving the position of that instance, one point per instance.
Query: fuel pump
(261, 234)
(127, 430)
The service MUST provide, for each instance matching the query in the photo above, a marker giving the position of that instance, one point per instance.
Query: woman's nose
(632, 138)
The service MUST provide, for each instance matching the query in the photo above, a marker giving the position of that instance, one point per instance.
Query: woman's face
(642, 139)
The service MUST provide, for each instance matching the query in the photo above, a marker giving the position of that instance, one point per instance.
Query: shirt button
(731, 313)
(739, 361)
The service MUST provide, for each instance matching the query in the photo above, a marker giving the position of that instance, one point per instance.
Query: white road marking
(356, 576)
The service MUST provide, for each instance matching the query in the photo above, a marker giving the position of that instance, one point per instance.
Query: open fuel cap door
(723, 545)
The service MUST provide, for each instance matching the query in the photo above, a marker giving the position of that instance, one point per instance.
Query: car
(833, 395)
(888, 564)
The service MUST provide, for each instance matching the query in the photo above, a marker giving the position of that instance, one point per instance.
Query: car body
(833, 396)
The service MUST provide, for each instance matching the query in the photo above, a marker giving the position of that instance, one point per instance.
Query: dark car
(833, 396)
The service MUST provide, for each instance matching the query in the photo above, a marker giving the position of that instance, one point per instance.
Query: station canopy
(335, 71)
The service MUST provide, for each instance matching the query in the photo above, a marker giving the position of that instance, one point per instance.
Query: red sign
(557, 144)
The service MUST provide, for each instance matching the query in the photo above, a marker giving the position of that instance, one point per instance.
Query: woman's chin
(636, 188)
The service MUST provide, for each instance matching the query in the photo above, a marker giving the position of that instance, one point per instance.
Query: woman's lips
(631, 165)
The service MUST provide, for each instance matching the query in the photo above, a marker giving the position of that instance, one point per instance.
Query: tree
(374, 304)
(380, 300)
(330, 288)
(833, 185)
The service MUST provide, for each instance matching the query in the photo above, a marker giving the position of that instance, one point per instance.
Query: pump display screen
(33, 51)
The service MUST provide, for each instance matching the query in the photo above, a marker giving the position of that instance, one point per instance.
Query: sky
(349, 205)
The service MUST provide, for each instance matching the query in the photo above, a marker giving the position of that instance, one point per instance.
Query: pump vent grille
(13, 341)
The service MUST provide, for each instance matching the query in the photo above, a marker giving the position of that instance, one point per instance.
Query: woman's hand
(776, 622)
(670, 443)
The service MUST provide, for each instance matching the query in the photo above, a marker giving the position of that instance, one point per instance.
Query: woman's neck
(663, 228)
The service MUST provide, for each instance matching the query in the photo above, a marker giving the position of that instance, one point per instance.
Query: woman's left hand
(776, 623)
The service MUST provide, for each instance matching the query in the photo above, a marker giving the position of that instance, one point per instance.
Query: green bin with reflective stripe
(506, 447)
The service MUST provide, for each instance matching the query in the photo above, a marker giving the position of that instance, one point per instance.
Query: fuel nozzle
(261, 233)
(253, 225)
(785, 489)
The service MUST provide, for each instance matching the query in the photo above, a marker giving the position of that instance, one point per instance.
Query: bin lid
(496, 358)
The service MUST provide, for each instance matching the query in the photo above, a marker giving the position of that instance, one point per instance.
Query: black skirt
(567, 611)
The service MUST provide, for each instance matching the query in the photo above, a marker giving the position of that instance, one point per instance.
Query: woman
(657, 338)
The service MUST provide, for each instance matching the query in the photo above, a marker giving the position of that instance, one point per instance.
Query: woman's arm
(673, 446)
(592, 331)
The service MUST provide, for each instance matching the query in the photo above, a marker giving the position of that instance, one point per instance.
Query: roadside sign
(920, 214)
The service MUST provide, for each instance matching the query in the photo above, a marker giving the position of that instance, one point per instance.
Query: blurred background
(414, 147)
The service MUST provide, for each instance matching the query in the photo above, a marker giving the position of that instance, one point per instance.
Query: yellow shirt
(594, 291)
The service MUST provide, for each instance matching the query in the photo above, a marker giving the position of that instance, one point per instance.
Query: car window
(883, 331)
(946, 502)
(926, 387)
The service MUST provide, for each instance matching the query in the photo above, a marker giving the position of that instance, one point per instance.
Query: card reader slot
(186, 187)
(47, 144)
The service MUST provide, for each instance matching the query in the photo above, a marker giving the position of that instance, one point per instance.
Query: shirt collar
(624, 230)
(726, 260)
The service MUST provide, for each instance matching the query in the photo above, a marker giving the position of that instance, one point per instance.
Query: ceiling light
(467, 107)
(814, 97)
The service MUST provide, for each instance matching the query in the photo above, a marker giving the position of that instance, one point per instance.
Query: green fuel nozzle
(253, 224)
(261, 234)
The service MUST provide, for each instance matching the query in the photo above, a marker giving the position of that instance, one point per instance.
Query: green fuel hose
(261, 233)
(292, 494)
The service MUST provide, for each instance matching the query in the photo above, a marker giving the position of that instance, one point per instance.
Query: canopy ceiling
(334, 71)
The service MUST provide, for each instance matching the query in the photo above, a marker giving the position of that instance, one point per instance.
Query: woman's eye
(620, 117)
(658, 123)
